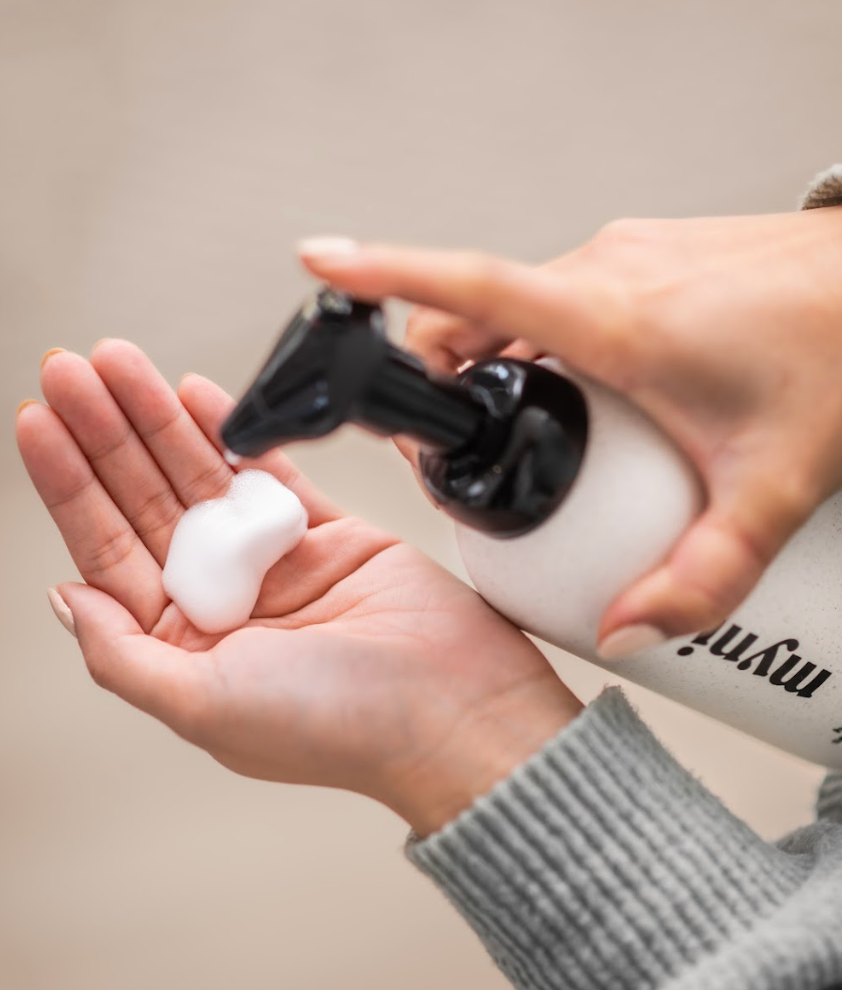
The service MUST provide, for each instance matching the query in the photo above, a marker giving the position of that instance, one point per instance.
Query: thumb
(708, 573)
(169, 683)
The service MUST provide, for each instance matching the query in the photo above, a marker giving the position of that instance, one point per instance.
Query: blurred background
(158, 160)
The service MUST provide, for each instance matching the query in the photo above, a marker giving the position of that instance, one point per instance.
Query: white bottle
(774, 669)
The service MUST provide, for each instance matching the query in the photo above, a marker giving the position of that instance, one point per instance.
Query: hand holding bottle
(727, 332)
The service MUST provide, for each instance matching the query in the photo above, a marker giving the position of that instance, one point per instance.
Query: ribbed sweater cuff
(601, 862)
(824, 190)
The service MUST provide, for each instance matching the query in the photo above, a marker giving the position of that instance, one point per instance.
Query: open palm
(364, 665)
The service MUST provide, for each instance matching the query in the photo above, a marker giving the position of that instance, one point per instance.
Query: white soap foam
(221, 550)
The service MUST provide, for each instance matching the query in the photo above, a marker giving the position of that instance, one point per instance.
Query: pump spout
(501, 443)
(333, 364)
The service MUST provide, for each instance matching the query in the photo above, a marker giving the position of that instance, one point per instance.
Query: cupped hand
(364, 665)
(726, 331)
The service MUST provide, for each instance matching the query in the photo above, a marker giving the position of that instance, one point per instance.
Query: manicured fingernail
(101, 340)
(327, 248)
(49, 354)
(24, 404)
(62, 610)
(629, 640)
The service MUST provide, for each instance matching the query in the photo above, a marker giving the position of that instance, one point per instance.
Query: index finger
(573, 315)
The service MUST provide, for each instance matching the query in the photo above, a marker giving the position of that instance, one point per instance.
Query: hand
(364, 665)
(727, 332)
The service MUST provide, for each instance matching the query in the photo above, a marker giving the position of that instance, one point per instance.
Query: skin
(726, 331)
(364, 666)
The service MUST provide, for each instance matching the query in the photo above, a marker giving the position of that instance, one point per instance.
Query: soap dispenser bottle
(563, 494)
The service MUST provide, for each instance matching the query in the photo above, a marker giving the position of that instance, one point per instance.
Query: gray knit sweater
(601, 864)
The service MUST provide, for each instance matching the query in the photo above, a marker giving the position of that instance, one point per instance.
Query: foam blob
(221, 550)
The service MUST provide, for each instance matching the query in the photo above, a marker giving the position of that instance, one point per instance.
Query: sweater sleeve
(602, 863)
(824, 190)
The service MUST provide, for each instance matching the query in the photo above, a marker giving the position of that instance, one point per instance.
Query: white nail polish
(327, 248)
(629, 640)
(62, 610)
(221, 550)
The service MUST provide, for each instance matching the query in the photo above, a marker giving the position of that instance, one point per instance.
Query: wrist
(481, 749)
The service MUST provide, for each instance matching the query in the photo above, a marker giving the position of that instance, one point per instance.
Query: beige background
(158, 160)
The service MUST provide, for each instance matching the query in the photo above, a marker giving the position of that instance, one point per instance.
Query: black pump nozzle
(502, 442)
(333, 364)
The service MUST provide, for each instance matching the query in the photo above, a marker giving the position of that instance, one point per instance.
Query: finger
(523, 350)
(445, 342)
(208, 405)
(583, 317)
(104, 546)
(193, 466)
(175, 686)
(709, 572)
(121, 462)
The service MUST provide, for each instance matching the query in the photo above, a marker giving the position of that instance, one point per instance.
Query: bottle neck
(520, 465)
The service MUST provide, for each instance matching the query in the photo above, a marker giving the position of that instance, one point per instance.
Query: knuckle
(78, 491)
(700, 603)
(158, 512)
(795, 498)
(110, 553)
(709, 607)
(209, 483)
(424, 328)
(707, 581)
(168, 420)
(109, 447)
(693, 609)
(775, 503)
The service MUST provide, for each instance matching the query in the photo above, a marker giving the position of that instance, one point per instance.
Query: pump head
(501, 443)
(333, 364)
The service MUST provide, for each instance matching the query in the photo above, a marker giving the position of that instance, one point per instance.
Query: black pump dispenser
(502, 442)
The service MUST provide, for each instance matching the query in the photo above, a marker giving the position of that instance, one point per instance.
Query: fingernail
(24, 404)
(49, 354)
(327, 248)
(101, 340)
(629, 640)
(62, 610)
